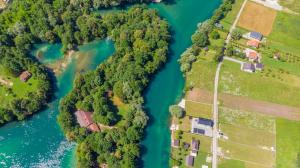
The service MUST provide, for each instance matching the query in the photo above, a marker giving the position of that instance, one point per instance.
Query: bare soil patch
(256, 17)
(200, 95)
(247, 104)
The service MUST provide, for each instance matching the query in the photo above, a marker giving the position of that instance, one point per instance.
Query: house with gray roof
(202, 126)
(248, 67)
(256, 35)
(195, 147)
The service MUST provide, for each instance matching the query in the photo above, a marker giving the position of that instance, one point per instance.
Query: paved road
(233, 60)
(215, 105)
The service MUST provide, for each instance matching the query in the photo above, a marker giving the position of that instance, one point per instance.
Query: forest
(24, 23)
(141, 41)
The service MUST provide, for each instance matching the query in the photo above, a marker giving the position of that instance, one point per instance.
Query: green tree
(176, 111)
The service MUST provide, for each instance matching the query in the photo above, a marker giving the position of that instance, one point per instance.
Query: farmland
(258, 18)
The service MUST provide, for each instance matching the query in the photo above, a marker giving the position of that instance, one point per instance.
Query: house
(219, 25)
(248, 67)
(25, 76)
(253, 43)
(175, 143)
(256, 35)
(202, 126)
(156, 1)
(259, 66)
(195, 147)
(189, 161)
(85, 120)
(252, 55)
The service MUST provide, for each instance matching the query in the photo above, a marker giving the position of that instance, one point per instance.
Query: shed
(248, 67)
(25, 76)
(195, 145)
(175, 143)
(256, 35)
(189, 161)
(259, 66)
(186, 145)
(219, 25)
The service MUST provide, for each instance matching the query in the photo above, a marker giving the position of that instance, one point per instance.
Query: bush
(215, 34)
(236, 34)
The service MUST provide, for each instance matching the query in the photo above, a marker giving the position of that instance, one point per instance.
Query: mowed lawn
(286, 33)
(256, 17)
(270, 85)
(18, 89)
(288, 144)
(198, 109)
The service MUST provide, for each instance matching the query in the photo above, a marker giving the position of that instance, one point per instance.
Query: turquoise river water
(39, 142)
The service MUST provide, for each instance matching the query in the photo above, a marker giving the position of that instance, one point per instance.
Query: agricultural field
(288, 144)
(2, 4)
(285, 36)
(271, 85)
(256, 17)
(246, 142)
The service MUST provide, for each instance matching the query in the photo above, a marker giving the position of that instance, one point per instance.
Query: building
(256, 35)
(25, 76)
(189, 161)
(259, 66)
(195, 147)
(219, 25)
(156, 1)
(253, 43)
(202, 126)
(252, 55)
(248, 67)
(175, 143)
(85, 120)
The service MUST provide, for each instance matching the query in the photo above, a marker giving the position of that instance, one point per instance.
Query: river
(39, 142)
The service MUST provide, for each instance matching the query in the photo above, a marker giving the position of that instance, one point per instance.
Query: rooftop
(189, 161)
(256, 35)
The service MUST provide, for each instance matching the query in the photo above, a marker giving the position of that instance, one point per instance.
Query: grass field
(196, 109)
(230, 163)
(270, 85)
(293, 5)
(288, 144)
(286, 33)
(202, 73)
(247, 119)
(256, 17)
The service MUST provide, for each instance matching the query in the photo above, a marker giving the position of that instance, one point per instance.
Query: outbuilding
(189, 161)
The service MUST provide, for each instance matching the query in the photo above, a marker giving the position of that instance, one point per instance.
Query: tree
(236, 34)
(176, 111)
(215, 34)
(200, 39)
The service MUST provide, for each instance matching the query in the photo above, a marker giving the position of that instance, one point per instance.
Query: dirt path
(246, 104)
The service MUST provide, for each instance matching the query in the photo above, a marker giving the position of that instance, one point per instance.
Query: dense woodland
(201, 37)
(141, 42)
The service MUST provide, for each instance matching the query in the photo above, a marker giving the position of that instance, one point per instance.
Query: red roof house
(253, 43)
(252, 55)
(25, 76)
(85, 120)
